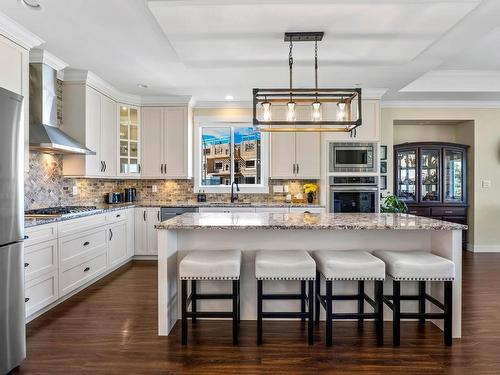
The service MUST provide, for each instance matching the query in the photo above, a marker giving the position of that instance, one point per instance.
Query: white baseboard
(483, 248)
(145, 257)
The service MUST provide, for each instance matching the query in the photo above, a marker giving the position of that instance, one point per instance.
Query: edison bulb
(341, 113)
(290, 111)
(266, 114)
(316, 111)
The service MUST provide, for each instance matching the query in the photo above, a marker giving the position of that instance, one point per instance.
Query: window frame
(262, 188)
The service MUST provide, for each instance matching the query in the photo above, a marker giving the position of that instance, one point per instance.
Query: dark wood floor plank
(111, 328)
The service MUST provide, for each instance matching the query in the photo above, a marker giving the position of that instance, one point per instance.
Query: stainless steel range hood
(45, 136)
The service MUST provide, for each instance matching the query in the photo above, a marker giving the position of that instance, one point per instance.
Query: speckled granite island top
(330, 221)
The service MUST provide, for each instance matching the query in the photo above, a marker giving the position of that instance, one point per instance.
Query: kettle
(130, 194)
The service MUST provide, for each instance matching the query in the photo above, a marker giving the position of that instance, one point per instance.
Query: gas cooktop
(58, 211)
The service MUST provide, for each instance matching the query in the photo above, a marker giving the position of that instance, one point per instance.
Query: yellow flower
(310, 188)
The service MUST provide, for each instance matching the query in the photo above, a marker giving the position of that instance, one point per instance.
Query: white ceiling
(213, 48)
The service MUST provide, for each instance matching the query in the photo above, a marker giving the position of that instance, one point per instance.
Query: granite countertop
(224, 204)
(340, 221)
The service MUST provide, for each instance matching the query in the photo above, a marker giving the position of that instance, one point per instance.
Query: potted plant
(393, 204)
(309, 190)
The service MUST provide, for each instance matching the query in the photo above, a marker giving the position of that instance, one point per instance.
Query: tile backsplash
(45, 186)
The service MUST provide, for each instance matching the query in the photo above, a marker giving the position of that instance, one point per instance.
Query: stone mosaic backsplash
(46, 187)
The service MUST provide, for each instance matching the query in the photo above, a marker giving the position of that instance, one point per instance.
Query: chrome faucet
(234, 197)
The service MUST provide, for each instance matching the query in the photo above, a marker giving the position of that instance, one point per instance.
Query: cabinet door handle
(165, 168)
(105, 166)
(448, 212)
(102, 166)
(110, 234)
(139, 165)
(144, 215)
(297, 168)
(293, 168)
(26, 265)
(118, 215)
(86, 243)
(161, 168)
(26, 299)
(87, 269)
(158, 214)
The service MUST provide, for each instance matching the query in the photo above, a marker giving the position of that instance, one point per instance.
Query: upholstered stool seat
(360, 266)
(416, 265)
(199, 265)
(211, 265)
(285, 265)
(421, 266)
(349, 265)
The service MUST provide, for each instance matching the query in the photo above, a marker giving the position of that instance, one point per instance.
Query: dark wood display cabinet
(431, 178)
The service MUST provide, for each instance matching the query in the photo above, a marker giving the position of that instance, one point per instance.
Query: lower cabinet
(77, 275)
(146, 238)
(117, 243)
(41, 292)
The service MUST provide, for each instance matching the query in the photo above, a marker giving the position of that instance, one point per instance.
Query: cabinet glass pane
(407, 164)
(453, 176)
(134, 150)
(123, 165)
(134, 166)
(123, 148)
(429, 167)
(133, 133)
(123, 131)
(124, 114)
(133, 116)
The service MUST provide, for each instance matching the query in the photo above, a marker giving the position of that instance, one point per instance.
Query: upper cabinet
(14, 76)
(129, 147)
(165, 142)
(90, 117)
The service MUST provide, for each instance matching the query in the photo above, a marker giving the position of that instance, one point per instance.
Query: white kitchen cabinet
(41, 292)
(272, 210)
(39, 259)
(146, 238)
(14, 76)
(227, 209)
(129, 142)
(117, 243)
(165, 142)
(90, 118)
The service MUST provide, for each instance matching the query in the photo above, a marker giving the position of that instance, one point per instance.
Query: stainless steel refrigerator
(12, 309)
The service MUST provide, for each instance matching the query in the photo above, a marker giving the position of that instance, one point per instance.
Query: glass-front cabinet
(430, 180)
(129, 146)
(406, 185)
(453, 164)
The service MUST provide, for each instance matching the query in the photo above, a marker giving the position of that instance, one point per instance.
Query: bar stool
(200, 265)
(423, 267)
(354, 265)
(285, 265)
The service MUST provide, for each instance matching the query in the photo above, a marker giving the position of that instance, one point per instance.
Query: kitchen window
(231, 153)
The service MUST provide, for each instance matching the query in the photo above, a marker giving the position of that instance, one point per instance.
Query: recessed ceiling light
(142, 85)
(32, 4)
(229, 97)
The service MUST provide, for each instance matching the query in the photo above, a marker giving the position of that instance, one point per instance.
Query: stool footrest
(211, 296)
(428, 297)
(422, 315)
(354, 316)
(209, 314)
(284, 315)
(283, 296)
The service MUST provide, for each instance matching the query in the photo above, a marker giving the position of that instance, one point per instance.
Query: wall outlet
(154, 189)
(285, 188)
(74, 190)
(486, 184)
(277, 188)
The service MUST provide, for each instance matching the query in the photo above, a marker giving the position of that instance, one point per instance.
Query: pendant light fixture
(331, 110)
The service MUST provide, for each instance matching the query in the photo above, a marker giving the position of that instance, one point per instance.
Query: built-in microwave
(352, 157)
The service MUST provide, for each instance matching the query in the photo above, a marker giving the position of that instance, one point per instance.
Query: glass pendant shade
(341, 112)
(266, 108)
(316, 111)
(290, 111)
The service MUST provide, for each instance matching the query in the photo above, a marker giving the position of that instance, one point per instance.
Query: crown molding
(223, 104)
(18, 34)
(44, 57)
(166, 100)
(440, 104)
(373, 93)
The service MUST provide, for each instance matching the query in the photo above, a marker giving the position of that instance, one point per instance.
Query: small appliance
(354, 193)
(114, 198)
(130, 195)
(353, 157)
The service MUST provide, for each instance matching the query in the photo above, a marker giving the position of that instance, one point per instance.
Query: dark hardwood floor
(111, 328)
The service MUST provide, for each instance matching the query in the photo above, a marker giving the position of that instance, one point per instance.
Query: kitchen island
(250, 232)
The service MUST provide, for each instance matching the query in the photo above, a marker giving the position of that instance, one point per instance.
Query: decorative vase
(310, 198)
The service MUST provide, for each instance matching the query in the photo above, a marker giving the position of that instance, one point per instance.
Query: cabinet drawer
(40, 259)
(116, 216)
(77, 248)
(73, 226)
(448, 211)
(419, 211)
(41, 233)
(78, 275)
(41, 292)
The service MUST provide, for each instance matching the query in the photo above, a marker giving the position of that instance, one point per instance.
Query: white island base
(176, 238)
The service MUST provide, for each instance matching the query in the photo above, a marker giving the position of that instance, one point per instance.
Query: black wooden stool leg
(235, 312)
(193, 299)
(379, 310)
(303, 299)
(329, 308)
(448, 305)
(396, 319)
(239, 301)
(317, 296)
(184, 312)
(361, 299)
(259, 312)
(421, 301)
(311, 313)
